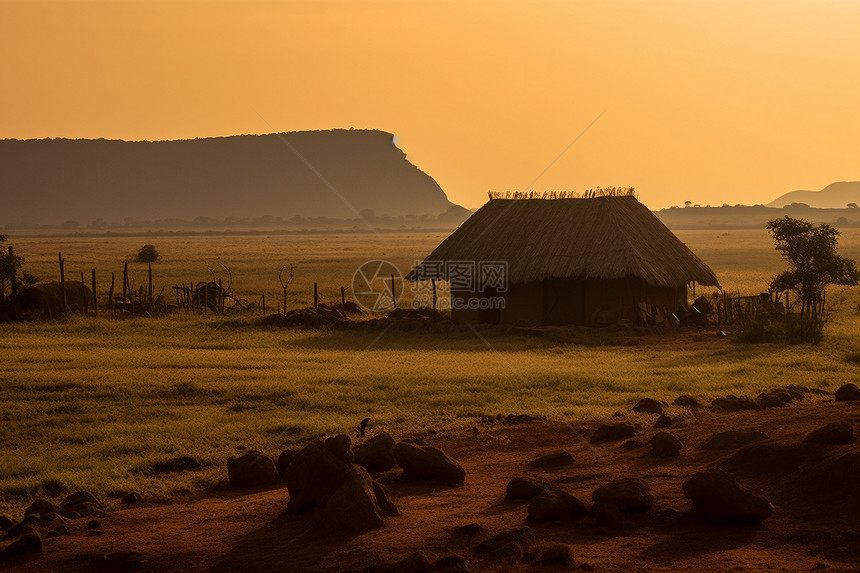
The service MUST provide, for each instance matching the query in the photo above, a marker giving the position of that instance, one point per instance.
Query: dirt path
(250, 531)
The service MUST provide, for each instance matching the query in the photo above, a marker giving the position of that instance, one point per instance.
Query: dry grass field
(115, 405)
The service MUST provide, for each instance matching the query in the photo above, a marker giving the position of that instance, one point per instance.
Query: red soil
(814, 525)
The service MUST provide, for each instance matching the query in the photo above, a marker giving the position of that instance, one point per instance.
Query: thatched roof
(599, 237)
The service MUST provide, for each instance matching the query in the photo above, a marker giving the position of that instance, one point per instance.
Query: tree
(811, 251)
(147, 254)
(12, 274)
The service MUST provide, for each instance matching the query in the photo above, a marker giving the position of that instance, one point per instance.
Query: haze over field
(713, 102)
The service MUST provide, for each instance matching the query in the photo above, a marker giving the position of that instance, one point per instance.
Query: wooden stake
(110, 293)
(316, 295)
(125, 282)
(63, 284)
(342, 294)
(393, 294)
(263, 303)
(95, 297)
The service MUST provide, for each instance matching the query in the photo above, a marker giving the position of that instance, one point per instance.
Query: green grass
(114, 405)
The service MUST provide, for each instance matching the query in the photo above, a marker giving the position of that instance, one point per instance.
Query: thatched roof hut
(570, 258)
(45, 300)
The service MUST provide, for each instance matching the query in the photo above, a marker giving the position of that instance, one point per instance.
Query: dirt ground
(815, 526)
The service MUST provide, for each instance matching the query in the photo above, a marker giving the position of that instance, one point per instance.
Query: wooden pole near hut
(63, 284)
(110, 293)
(95, 297)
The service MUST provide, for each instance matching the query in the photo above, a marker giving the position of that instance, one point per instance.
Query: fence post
(124, 282)
(316, 295)
(342, 294)
(393, 294)
(110, 293)
(95, 297)
(263, 303)
(63, 284)
(84, 293)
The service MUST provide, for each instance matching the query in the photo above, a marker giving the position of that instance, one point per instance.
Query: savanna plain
(156, 405)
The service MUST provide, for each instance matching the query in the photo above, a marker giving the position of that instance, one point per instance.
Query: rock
(648, 406)
(686, 401)
(252, 469)
(60, 530)
(613, 433)
(734, 404)
(383, 499)
(376, 454)
(608, 515)
(339, 446)
(131, 498)
(778, 397)
(82, 509)
(555, 506)
(719, 499)
(41, 506)
(284, 460)
(845, 471)
(556, 459)
(427, 462)
(353, 505)
(632, 445)
(733, 439)
(73, 515)
(79, 497)
(314, 474)
(95, 532)
(27, 545)
(556, 554)
(833, 433)
(5, 523)
(94, 524)
(524, 536)
(525, 488)
(767, 459)
(415, 563)
(18, 528)
(469, 530)
(450, 563)
(665, 445)
(847, 392)
(663, 421)
(510, 551)
(627, 494)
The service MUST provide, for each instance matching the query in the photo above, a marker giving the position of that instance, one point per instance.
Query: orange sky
(717, 101)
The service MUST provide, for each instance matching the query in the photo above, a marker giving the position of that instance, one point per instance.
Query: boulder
(847, 392)
(719, 499)
(524, 536)
(284, 460)
(832, 433)
(555, 554)
(41, 506)
(252, 469)
(663, 421)
(6, 522)
(733, 439)
(629, 495)
(383, 499)
(452, 563)
(555, 506)
(779, 397)
(427, 462)
(415, 563)
(81, 503)
(27, 545)
(376, 454)
(665, 445)
(845, 471)
(648, 406)
(94, 524)
(315, 473)
(469, 530)
(525, 488)
(509, 552)
(613, 433)
(556, 459)
(608, 515)
(131, 498)
(632, 445)
(353, 506)
(734, 404)
(686, 401)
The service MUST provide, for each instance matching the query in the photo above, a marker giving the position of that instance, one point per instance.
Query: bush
(147, 254)
(782, 329)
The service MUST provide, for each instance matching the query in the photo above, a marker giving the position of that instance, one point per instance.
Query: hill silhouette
(834, 196)
(49, 181)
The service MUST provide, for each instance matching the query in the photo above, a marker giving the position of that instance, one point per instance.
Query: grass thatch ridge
(587, 194)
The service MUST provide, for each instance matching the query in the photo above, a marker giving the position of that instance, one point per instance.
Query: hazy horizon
(708, 102)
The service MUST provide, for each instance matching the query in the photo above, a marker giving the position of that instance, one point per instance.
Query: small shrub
(52, 487)
(147, 254)
(782, 329)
